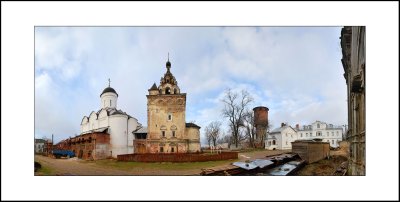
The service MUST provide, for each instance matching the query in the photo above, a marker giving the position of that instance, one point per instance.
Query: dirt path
(79, 167)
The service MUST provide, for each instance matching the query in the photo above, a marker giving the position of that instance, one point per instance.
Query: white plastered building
(282, 137)
(117, 123)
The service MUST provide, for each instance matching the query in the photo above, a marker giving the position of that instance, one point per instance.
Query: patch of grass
(161, 165)
(45, 171)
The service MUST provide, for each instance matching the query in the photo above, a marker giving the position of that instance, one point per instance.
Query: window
(337, 133)
(306, 134)
(161, 149)
(317, 125)
(301, 134)
(169, 117)
(333, 142)
(167, 90)
(173, 133)
(163, 133)
(273, 142)
(175, 91)
(172, 149)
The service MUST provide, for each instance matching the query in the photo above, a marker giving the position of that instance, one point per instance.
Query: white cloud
(295, 72)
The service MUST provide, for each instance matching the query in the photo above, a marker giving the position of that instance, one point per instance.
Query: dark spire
(168, 64)
(154, 87)
(109, 82)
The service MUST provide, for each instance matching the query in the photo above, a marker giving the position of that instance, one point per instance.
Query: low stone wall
(178, 157)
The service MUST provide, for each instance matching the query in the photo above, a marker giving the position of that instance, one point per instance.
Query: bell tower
(166, 107)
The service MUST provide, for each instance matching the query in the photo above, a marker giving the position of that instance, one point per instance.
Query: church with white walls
(109, 119)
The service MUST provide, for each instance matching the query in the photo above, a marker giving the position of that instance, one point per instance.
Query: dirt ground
(74, 166)
(326, 167)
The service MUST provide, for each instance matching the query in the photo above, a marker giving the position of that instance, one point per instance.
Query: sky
(294, 71)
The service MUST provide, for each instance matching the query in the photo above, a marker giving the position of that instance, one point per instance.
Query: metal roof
(141, 130)
(188, 125)
(109, 90)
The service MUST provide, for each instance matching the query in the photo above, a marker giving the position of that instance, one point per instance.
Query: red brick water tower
(261, 123)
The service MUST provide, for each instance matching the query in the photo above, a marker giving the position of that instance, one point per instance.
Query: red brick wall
(86, 143)
(177, 157)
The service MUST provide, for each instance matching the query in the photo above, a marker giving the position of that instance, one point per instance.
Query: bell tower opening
(167, 91)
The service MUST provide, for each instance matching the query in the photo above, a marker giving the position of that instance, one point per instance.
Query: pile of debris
(341, 170)
(283, 164)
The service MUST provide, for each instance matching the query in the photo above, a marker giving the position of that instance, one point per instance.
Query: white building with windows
(113, 121)
(281, 138)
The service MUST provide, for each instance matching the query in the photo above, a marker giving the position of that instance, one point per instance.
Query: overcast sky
(294, 71)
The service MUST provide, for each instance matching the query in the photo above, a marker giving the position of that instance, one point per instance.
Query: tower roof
(154, 87)
(109, 90)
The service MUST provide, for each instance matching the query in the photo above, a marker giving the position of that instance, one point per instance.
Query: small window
(173, 133)
(163, 133)
(161, 149)
(172, 149)
(169, 117)
(317, 125)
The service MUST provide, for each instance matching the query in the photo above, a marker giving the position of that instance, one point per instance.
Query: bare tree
(234, 110)
(250, 129)
(213, 131)
(208, 136)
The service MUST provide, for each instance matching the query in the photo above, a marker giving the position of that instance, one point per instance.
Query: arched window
(175, 91)
(168, 91)
(317, 125)
(273, 142)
